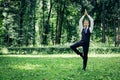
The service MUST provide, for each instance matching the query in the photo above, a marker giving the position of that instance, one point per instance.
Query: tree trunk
(43, 22)
(118, 32)
(60, 16)
(103, 23)
(34, 21)
(22, 10)
(45, 27)
(51, 4)
(114, 33)
(119, 23)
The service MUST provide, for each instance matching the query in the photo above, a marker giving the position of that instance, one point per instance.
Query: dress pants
(84, 55)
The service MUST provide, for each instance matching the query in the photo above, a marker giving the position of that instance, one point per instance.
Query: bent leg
(74, 48)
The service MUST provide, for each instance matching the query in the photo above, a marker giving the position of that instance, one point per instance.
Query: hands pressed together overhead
(85, 13)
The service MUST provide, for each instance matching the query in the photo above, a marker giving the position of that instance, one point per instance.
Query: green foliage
(58, 50)
(49, 22)
(30, 68)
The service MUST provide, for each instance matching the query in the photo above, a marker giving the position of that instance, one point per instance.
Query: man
(85, 40)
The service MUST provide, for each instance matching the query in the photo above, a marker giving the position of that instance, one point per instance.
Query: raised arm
(91, 23)
(80, 23)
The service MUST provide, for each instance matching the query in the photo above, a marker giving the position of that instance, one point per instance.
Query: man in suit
(86, 31)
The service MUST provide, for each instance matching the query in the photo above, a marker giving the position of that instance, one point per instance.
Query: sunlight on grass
(58, 68)
(62, 55)
(26, 67)
(104, 55)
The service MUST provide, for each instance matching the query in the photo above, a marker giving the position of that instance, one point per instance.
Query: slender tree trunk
(118, 32)
(118, 25)
(45, 26)
(52, 34)
(51, 4)
(22, 9)
(34, 21)
(103, 23)
(56, 40)
(43, 22)
(60, 16)
(114, 33)
(119, 22)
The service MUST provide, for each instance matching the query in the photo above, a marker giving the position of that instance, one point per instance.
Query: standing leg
(85, 58)
(74, 47)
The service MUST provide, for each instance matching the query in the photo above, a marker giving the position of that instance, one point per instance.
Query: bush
(105, 50)
(59, 50)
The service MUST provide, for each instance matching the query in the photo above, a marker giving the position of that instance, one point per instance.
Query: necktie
(85, 30)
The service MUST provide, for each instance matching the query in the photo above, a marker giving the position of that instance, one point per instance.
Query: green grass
(58, 68)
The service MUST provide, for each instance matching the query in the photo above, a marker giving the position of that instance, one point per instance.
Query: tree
(59, 21)
(45, 25)
(30, 22)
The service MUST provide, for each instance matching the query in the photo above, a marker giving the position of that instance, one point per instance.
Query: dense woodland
(51, 22)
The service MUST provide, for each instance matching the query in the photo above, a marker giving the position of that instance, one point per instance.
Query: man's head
(86, 23)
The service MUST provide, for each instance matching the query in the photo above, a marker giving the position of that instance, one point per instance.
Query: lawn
(58, 68)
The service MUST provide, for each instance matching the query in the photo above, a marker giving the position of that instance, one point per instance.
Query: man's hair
(86, 20)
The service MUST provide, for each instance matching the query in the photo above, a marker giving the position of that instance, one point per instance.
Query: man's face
(86, 23)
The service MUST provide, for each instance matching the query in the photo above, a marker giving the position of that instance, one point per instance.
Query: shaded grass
(46, 68)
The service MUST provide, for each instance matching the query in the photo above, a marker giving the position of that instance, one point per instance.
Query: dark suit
(84, 42)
